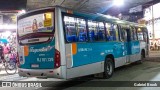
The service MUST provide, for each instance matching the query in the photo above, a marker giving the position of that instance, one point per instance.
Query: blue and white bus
(56, 42)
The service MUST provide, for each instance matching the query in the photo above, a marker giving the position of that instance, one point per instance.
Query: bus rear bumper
(40, 73)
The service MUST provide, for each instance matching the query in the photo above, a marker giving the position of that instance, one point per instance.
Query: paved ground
(154, 54)
(147, 71)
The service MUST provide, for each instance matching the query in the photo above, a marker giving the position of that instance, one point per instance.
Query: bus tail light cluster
(18, 62)
(57, 60)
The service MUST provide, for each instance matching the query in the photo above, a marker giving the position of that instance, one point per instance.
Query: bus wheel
(142, 58)
(108, 68)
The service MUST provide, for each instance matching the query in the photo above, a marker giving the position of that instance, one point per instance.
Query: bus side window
(75, 29)
(111, 32)
(92, 30)
(145, 35)
(101, 31)
(108, 27)
(135, 33)
(116, 35)
(82, 31)
(123, 34)
(96, 31)
(140, 34)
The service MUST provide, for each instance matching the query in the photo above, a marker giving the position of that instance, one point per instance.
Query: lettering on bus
(46, 29)
(44, 49)
(135, 47)
(44, 59)
(84, 49)
(108, 51)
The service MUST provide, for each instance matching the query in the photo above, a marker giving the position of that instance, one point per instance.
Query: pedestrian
(155, 45)
(1, 53)
(6, 51)
(158, 43)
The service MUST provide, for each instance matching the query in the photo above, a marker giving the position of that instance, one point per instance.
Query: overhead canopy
(93, 6)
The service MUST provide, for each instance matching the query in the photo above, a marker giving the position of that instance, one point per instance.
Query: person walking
(6, 51)
(1, 53)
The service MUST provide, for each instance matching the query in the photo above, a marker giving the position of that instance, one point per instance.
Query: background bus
(60, 43)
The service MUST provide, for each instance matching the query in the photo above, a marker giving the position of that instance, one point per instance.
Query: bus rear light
(57, 61)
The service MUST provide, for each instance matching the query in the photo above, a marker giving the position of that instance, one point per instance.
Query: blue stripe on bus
(88, 53)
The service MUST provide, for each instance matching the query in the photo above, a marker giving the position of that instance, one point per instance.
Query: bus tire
(142, 57)
(108, 68)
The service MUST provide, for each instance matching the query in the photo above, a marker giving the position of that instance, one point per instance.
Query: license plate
(35, 65)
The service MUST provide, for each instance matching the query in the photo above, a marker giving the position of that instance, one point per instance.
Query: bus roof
(92, 16)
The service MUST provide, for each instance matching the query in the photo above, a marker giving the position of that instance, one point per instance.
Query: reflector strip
(26, 51)
(74, 48)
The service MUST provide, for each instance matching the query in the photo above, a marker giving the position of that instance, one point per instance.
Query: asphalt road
(147, 71)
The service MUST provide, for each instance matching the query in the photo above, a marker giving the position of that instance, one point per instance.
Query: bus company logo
(44, 49)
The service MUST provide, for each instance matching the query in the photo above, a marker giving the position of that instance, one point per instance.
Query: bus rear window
(39, 23)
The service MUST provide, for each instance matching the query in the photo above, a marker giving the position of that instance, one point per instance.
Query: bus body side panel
(123, 58)
(134, 51)
(79, 62)
(143, 45)
(88, 58)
